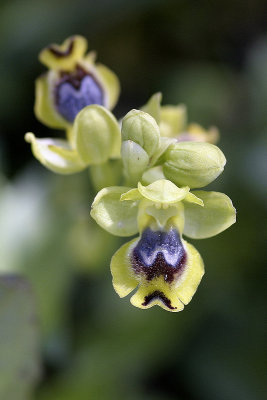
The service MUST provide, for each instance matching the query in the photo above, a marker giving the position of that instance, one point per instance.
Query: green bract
(94, 138)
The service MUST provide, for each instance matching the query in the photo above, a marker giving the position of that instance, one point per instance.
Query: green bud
(142, 129)
(96, 135)
(193, 163)
(135, 160)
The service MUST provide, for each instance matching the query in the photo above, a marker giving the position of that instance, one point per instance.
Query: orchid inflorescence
(143, 167)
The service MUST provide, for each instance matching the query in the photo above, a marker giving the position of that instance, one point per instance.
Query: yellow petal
(65, 56)
(44, 107)
(198, 133)
(123, 279)
(173, 120)
(185, 287)
(110, 83)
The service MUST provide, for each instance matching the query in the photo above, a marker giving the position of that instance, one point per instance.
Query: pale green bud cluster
(144, 167)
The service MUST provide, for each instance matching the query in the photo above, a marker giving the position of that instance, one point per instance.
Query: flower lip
(76, 90)
(159, 254)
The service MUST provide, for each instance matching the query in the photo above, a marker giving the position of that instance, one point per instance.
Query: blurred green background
(75, 339)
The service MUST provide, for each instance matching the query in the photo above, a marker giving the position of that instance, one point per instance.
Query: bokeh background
(64, 333)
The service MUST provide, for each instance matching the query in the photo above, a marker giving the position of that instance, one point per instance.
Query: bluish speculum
(159, 253)
(75, 91)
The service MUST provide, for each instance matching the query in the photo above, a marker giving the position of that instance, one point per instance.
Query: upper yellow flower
(73, 82)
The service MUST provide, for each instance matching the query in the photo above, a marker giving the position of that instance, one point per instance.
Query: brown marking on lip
(157, 294)
(62, 53)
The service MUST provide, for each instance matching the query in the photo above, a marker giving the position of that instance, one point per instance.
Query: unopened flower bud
(142, 129)
(193, 164)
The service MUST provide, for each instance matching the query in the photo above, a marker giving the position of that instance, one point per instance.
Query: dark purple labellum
(75, 91)
(159, 253)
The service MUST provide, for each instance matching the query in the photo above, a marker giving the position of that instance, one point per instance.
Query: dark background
(212, 56)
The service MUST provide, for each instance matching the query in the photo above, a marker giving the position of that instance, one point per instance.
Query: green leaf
(19, 339)
(217, 215)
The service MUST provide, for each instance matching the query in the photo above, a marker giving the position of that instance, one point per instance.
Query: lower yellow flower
(165, 269)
